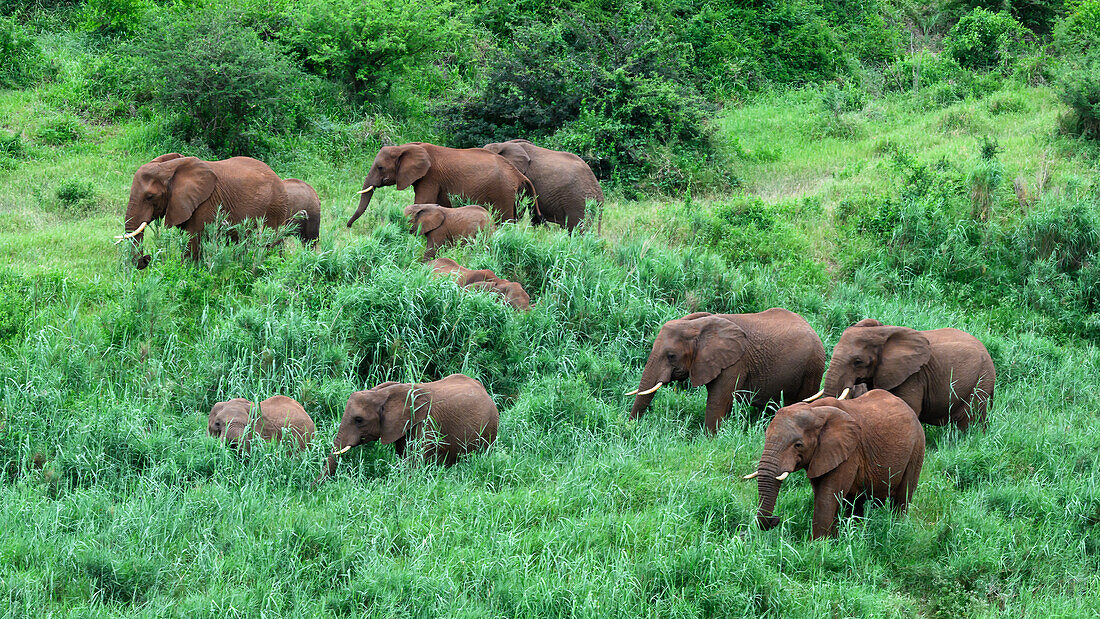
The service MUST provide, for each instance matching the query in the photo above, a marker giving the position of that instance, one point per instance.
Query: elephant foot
(144, 261)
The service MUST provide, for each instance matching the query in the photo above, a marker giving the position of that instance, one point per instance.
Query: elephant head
(170, 187)
(874, 356)
(514, 151)
(393, 165)
(424, 217)
(230, 421)
(816, 437)
(696, 347)
(384, 413)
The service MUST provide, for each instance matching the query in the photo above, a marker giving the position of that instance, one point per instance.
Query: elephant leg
(399, 447)
(194, 244)
(427, 192)
(826, 505)
(719, 400)
(960, 415)
(903, 493)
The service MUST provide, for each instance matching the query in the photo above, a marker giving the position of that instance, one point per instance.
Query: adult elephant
(436, 173)
(563, 181)
(869, 448)
(449, 417)
(187, 192)
(774, 355)
(943, 375)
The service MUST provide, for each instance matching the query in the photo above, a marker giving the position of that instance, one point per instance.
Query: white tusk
(651, 389)
(130, 235)
(750, 475)
(371, 188)
(631, 392)
(783, 476)
(815, 396)
(844, 394)
(346, 447)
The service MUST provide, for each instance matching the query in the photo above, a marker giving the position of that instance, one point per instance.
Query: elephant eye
(798, 444)
(358, 419)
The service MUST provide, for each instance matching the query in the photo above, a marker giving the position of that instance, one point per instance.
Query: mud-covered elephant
(449, 418)
(443, 226)
(773, 355)
(304, 209)
(231, 422)
(484, 279)
(867, 448)
(563, 181)
(187, 192)
(943, 375)
(436, 173)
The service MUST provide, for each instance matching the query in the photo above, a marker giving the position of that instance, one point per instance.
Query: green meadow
(831, 194)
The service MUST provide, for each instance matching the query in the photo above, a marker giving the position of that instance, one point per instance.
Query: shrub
(985, 40)
(985, 179)
(113, 17)
(1080, 90)
(23, 60)
(1081, 26)
(60, 130)
(223, 84)
(1039, 17)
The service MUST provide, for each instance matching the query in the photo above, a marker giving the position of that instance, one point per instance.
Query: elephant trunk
(833, 384)
(768, 489)
(364, 202)
(653, 376)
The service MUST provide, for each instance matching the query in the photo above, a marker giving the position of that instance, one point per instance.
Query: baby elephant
(230, 422)
(442, 226)
(484, 279)
(452, 417)
(871, 447)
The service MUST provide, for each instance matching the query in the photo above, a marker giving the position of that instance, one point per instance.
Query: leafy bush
(1081, 26)
(60, 130)
(1039, 17)
(605, 92)
(985, 40)
(23, 60)
(222, 83)
(113, 17)
(1080, 90)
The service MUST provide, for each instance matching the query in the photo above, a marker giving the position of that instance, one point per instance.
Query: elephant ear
(412, 165)
(191, 184)
(867, 322)
(720, 344)
(903, 354)
(429, 219)
(405, 407)
(166, 157)
(516, 155)
(838, 438)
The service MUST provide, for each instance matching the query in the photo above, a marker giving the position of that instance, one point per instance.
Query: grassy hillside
(834, 201)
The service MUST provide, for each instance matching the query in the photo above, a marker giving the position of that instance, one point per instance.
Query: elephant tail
(528, 189)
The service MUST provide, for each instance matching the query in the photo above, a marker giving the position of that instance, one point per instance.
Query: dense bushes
(985, 40)
(23, 61)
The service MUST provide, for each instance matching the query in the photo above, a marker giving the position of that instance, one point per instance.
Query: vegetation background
(925, 163)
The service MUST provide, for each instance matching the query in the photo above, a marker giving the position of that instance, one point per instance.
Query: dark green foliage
(113, 17)
(23, 60)
(1039, 17)
(222, 83)
(984, 40)
(1080, 90)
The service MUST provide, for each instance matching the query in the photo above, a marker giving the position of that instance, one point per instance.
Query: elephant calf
(869, 448)
(444, 226)
(449, 417)
(484, 279)
(944, 374)
(231, 422)
(772, 355)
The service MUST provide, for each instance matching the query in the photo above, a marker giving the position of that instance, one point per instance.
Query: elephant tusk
(337, 453)
(362, 191)
(783, 476)
(651, 389)
(750, 475)
(631, 392)
(844, 394)
(815, 396)
(130, 235)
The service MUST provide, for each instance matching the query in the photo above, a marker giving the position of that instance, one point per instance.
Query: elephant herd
(869, 447)
(855, 427)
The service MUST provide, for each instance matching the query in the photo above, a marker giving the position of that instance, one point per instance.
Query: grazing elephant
(944, 375)
(563, 181)
(231, 422)
(436, 173)
(304, 205)
(484, 279)
(442, 226)
(452, 417)
(187, 192)
(871, 447)
(773, 355)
